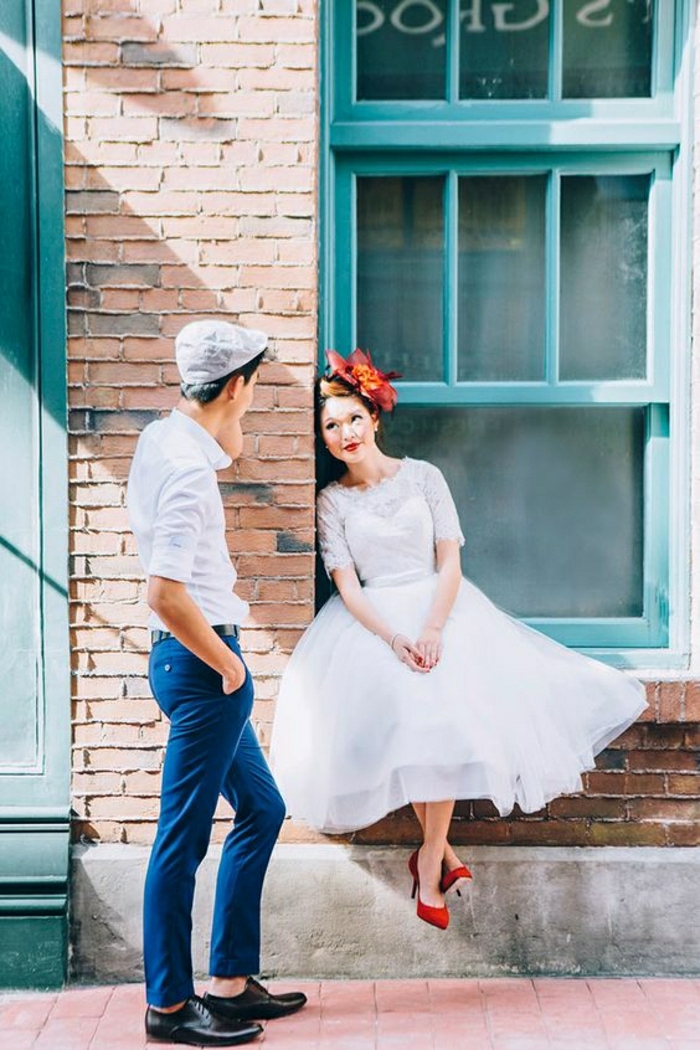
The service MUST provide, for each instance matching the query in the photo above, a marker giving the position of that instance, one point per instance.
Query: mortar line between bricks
(543, 1017)
(431, 1014)
(670, 1040)
(104, 1011)
(599, 1016)
(376, 1015)
(485, 1012)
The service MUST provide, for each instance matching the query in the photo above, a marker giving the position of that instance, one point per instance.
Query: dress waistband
(399, 580)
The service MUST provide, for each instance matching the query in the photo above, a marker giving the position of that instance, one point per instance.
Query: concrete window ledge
(344, 911)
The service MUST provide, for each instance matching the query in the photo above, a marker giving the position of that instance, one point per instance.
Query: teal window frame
(555, 137)
(35, 800)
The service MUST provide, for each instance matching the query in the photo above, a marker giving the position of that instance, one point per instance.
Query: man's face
(240, 398)
(246, 393)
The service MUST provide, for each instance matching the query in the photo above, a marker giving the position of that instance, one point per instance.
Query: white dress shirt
(177, 516)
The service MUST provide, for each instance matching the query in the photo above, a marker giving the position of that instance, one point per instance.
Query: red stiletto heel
(439, 917)
(448, 880)
(413, 868)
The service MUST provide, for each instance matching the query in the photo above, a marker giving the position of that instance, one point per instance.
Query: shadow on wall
(189, 193)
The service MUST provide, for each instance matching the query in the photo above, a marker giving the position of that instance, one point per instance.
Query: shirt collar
(209, 445)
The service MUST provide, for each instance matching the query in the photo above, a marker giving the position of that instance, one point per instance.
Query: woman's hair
(333, 386)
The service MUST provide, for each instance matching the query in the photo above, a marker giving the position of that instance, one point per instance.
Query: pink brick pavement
(468, 1014)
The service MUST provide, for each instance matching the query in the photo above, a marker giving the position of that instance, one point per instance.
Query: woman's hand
(405, 651)
(429, 647)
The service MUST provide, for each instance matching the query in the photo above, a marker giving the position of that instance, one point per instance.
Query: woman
(410, 685)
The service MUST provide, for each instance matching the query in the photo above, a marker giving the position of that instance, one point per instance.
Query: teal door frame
(35, 759)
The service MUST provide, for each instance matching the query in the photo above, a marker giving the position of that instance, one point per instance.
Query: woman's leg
(450, 858)
(437, 824)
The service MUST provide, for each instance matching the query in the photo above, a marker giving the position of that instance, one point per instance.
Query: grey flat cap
(208, 350)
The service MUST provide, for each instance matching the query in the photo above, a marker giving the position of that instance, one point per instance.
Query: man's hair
(206, 392)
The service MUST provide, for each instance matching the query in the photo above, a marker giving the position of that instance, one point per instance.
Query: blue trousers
(212, 750)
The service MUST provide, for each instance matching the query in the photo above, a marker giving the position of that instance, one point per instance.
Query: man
(203, 686)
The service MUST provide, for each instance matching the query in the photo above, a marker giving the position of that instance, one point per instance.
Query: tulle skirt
(507, 714)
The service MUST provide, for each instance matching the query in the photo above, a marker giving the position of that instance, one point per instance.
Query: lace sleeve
(442, 506)
(331, 534)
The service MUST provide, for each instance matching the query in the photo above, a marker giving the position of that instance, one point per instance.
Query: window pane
(550, 501)
(504, 50)
(501, 277)
(604, 276)
(400, 243)
(400, 49)
(607, 49)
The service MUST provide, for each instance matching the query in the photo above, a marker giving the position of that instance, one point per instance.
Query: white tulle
(507, 714)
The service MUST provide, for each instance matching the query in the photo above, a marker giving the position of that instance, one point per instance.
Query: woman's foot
(454, 872)
(430, 906)
(450, 859)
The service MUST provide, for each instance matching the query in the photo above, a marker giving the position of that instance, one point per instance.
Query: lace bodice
(388, 532)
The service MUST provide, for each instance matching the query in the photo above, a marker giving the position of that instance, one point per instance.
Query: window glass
(550, 501)
(604, 245)
(401, 49)
(504, 50)
(501, 277)
(608, 48)
(400, 244)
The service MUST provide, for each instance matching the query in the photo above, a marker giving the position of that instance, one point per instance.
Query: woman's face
(348, 429)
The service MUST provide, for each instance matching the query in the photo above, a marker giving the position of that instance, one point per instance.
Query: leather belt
(226, 630)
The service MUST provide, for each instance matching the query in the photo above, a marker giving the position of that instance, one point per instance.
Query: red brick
(647, 761)
(684, 784)
(692, 701)
(670, 701)
(691, 736)
(683, 834)
(593, 808)
(627, 834)
(664, 810)
(550, 833)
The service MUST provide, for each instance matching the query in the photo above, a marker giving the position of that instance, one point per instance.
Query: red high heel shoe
(449, 878)
(439, 917)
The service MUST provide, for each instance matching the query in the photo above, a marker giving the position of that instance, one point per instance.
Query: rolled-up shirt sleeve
(179, 523)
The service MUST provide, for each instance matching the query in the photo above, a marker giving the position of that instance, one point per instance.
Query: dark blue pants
(212, 750)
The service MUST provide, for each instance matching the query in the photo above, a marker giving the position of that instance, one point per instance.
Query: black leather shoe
(255, 1003)
(197, 1025)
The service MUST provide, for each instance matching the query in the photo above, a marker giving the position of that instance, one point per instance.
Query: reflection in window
(504, 50)
(607, 49)
(501, 278)
(401, 51)
(550, 501)
(400, 243)
(604, 222)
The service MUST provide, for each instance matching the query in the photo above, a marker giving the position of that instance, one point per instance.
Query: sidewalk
(470, 1014)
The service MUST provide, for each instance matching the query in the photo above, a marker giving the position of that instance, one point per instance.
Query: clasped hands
(421, 655)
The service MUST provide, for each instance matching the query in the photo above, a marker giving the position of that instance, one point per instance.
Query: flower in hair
(359, 373)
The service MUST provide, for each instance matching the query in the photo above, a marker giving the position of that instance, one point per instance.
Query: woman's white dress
(507, 714)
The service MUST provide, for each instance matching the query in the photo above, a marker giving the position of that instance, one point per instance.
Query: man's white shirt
(177, 516)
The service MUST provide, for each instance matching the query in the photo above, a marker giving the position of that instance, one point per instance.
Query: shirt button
(167, 667)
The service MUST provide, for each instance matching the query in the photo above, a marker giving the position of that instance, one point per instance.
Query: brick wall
(190, 173)
(191, 159)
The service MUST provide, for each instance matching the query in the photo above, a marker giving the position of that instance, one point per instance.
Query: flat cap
(209, 350)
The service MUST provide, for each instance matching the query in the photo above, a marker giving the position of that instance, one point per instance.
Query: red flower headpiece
(359, 372)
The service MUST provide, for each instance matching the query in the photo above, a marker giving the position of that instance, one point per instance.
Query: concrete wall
(345, 911)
